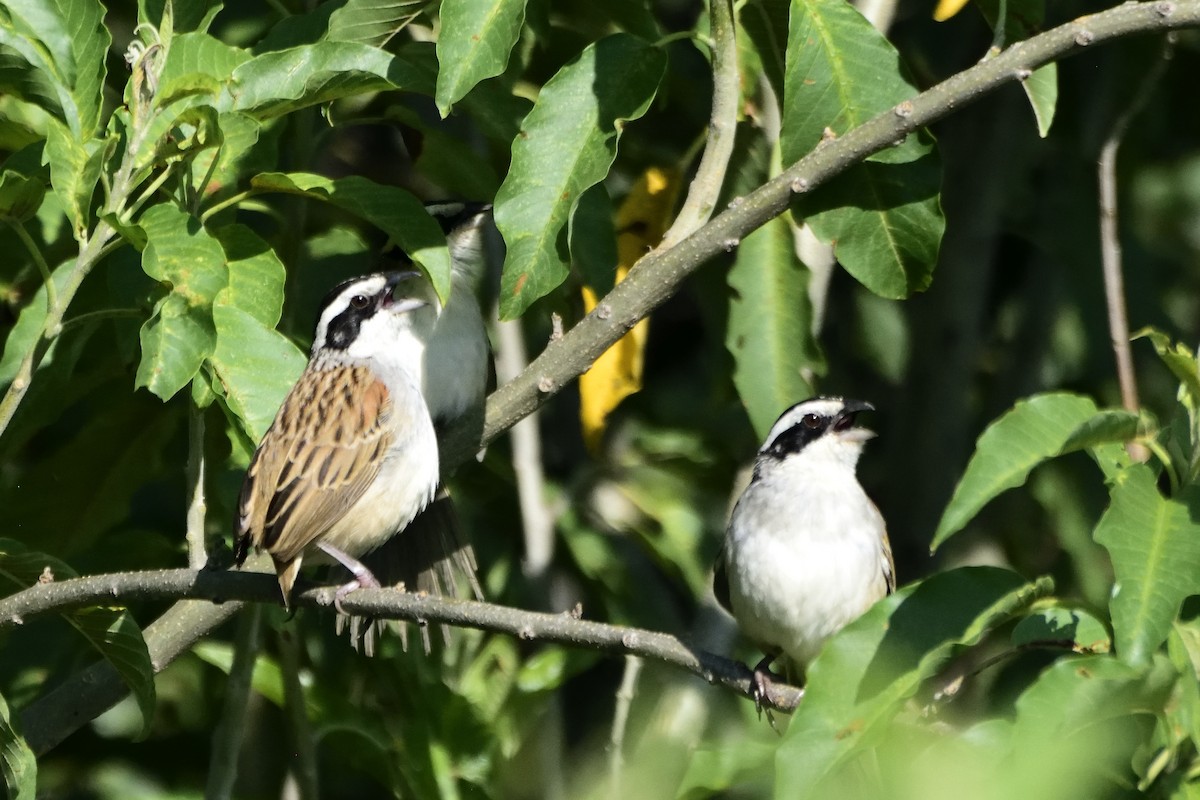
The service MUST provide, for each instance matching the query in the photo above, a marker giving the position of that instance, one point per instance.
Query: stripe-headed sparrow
(351, 457)
(806, 551)
(434, 555)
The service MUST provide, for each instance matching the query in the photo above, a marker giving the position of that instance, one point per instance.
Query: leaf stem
(197, 505)
(39, 259)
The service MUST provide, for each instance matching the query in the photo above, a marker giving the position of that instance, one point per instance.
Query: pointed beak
(399, 305)
(845, 421)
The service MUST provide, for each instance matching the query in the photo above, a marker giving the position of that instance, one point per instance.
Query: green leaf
(566, 145)
(476, 39)
(1104, 427)
(190, 264)
(256, 275)
(115, 634)
(68, 41)
(372, 22)
(867, 671)
(18, 764)
(1059, 624)
(254, 367)
(1155, 547)
(884, 221)
(1034, 430)
(841, 72)
(20, 196)
(1078, 726)
(593, 238)
(394, 211)
(28, 330)
(74, 172)
(1181, 361)
(770, 325)
(112, 631)
(1042, 90)
(273, 84)
(883, 216)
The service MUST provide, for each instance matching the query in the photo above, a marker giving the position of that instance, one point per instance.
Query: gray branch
(228, 590)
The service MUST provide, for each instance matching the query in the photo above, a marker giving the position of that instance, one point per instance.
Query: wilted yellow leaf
(617, 373)
(947, 9)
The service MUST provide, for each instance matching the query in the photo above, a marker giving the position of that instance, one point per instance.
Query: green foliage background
(169, 230)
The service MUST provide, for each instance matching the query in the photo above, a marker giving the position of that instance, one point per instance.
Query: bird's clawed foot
(363, 578)
(760, 687)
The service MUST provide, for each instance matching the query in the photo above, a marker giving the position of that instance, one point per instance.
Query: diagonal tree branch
(655, 278)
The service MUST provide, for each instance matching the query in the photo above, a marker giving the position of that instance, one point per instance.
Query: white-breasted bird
(806, 551)
(351, 457)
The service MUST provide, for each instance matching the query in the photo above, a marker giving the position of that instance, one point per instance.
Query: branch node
(604, 311)
(1164, 9)
(526, 634)
(1023, 74)
(731, 244)
(1084, 38)
(545, 384)
(629, 640)
(904, 110)
(735, 202)
(800, 185)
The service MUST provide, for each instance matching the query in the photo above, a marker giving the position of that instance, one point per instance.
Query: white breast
(806, 555)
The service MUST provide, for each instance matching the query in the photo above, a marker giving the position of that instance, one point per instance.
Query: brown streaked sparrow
(434, 555)
(351, 457)
(806, 551)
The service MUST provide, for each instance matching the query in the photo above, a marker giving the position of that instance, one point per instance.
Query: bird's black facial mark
(343, 329)
(796, 438)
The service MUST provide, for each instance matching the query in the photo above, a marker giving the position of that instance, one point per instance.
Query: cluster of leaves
(175, 224)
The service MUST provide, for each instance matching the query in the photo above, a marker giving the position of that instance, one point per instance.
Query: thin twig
(616, 742)
(197, 506)
(537, 523)
(722, 125)
(39, 259)
(227, 738)
(1110, 241)
(304, 757)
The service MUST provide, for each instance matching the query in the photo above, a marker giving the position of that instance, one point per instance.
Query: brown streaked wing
(313, 467)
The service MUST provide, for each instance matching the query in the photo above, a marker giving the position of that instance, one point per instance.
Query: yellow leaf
(617, 373)
(947, 9)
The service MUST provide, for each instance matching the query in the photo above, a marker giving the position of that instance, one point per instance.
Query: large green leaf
(190, 263)
(280, 82)
(476, 39)
(254, 367)
(28, 329)
(871, 668)
(883, 216)
(884, 221)
(393, 210)
(66, 40)
(20, 196)
(566, 145)
(112, 631)
(256, 275)
(372, 22)
(1155, 547)
(1034, 430)
(770, 325)
(1079, 725)
(18, 764)
(75, 168)
(840, 72)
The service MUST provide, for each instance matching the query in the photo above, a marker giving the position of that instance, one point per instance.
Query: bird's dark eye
(811, 421)
(359, 301)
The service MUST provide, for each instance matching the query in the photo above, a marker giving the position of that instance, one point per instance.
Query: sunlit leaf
(190, 263)
(1058, 624)
(476, 39)
(18, 764)
(867, 671)
(372, 22)
(393, 210)
(1034, 430)
(567, 144)
(1154, 542)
